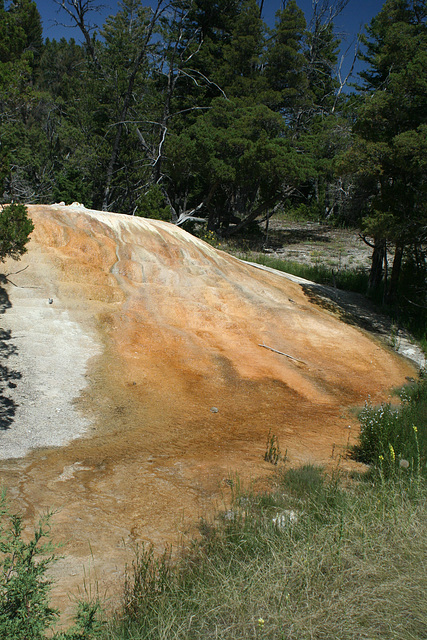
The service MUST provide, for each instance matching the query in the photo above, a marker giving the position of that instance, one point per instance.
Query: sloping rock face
(134, 357)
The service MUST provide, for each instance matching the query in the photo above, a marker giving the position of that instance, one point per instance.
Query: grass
(320, 556)
(317, 557)
(348, 279)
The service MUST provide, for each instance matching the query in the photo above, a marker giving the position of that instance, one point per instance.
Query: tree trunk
(157, 167)
(376, 272)
(395, 273)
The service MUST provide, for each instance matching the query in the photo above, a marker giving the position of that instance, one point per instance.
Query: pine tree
(20, 104)
(240, 74)
(391, 133)
(15, 229)
(285, 62)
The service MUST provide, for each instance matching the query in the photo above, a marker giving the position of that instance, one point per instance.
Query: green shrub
(15, 229)
(25, 611)
(394, 439)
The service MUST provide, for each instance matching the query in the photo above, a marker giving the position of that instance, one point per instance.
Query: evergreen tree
(15, 229)
(238, 162)
(20, 49)
(390, 133)
(240, 74)
(285, 62)
(321, 60)
(20, 31)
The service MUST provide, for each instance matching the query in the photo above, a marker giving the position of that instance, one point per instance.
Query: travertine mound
(139, 351)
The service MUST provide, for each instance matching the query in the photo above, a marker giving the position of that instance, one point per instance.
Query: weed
(310, 560)
(394, 439)
(272, 452)
(146, 582)
(25, 611)
(210, 237)
(394, 337)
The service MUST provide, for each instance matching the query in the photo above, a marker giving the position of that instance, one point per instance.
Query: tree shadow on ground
(282, 237)
(352, 308)
(299, 236)
(8, 376)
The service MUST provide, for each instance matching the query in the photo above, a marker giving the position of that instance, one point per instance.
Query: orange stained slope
(181, 396)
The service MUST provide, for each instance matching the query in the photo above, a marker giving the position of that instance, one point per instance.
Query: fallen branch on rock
(281, 353)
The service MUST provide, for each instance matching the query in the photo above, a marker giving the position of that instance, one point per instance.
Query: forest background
(195, 111)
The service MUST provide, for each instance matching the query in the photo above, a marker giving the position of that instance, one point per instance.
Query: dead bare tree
(175, 64)
(343, 79)
(159, 9)
(324, 14)
(328, 10)
(78, 11)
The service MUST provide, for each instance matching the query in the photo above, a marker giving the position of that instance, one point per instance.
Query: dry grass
(309, 560)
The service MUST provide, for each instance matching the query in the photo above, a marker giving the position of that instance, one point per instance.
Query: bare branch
(209, 82)
(78, 10)
(282, 353)
(160, 147)
(174, 215)
(327, 10)
(186, 215)
(142, 140)
(344, 81)
(362, 237)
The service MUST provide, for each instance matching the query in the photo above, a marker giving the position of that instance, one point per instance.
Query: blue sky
(350, 22)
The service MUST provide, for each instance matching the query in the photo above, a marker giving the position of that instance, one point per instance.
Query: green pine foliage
(394, 439)
(15, 229)
(390, 130)
(285, 61)
(25, 613)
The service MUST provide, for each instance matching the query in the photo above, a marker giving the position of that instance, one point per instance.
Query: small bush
(25, 611)
(15, 229)
(394, 439)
